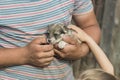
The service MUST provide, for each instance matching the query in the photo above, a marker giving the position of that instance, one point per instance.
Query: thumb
(40, 40)
(70, 39)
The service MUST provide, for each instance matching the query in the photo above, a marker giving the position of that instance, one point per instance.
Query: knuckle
(46, 64)
(32, 46)
(41, 61)
(37, 48)
(52, 58)
(50, 47)
(52, 52)
(62, 56)
(39, 55)
(43, 38)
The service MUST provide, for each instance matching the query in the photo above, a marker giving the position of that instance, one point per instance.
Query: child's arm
(97, 51)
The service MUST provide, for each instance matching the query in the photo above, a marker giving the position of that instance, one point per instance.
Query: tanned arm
(11, 56)
(88, 23)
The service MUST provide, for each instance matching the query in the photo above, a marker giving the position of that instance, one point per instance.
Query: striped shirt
(23, 20)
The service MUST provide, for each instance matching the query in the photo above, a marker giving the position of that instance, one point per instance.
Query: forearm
(94, 33)
(12, 56)
(100, 56)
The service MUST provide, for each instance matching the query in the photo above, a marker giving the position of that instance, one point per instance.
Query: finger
(78, 30)
(40, 40)
(45, 65)
(45, 54)
(79, 33)
(60, 45)
(44, 48)
(80, 38)
(74, 28)
(46, 60)
(42, 65)
(69, 39)
(59, 53)
(69, 48)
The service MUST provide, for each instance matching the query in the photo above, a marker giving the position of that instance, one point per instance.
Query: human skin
(88, 23)
(96, 50)
(34, 54)
(42, 55)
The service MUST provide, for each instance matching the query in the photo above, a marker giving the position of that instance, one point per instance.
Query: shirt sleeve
(82, 7)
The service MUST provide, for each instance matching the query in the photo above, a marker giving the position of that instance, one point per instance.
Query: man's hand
(73, 50)
(38, 53)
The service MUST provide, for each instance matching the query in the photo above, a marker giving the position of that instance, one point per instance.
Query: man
(23, 24)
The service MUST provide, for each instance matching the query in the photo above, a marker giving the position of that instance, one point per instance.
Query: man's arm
(89, 24)
(73, 50)
(11, 56)
(34, 54)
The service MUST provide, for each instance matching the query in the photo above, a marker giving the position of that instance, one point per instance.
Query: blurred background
(108, 16)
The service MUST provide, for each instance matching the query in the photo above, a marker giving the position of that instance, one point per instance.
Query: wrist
(84, 49)
(87, 39)
(24, 57)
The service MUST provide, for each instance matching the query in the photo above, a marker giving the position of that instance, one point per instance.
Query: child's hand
(38, 54)
(78, 32)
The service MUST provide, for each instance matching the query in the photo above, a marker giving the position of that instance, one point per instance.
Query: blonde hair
(96, 74)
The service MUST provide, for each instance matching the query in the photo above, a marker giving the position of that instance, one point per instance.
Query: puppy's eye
(56, 35)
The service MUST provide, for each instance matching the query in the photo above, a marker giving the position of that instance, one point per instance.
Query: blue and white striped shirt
(26, 19)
